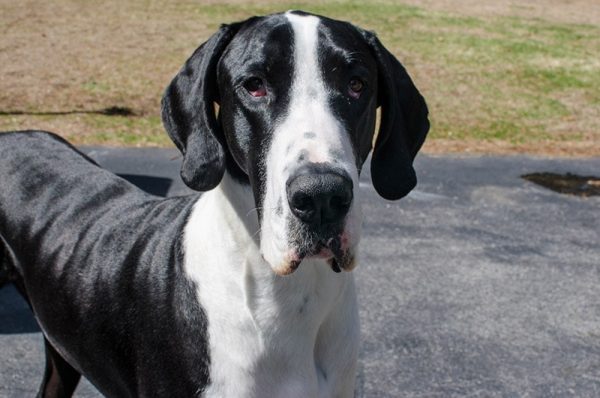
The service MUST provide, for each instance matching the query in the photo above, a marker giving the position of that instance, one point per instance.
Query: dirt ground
(63, 61)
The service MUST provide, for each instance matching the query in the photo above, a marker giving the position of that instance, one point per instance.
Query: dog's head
(287, 104)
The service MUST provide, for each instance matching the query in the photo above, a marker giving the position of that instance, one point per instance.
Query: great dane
(237, 292)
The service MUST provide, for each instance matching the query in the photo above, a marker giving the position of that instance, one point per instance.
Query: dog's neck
(239, 208)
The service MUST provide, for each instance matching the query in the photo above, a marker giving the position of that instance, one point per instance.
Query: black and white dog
(238, 292)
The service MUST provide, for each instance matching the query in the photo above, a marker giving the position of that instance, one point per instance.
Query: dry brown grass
(70, 55)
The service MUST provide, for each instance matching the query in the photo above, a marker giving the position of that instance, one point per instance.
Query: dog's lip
(331, 251)
(335, 266)
(322, 249)
(325, 253)
(334, 251)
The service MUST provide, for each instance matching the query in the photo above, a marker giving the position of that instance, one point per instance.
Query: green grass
(514, 73)
(96, 87)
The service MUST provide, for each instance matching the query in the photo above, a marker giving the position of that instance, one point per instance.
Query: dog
(239, 291)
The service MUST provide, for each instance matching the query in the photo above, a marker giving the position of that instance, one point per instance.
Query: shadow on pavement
(15, 313)
(153, 185)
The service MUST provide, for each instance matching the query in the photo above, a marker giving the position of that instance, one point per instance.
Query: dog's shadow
(158, 186)
(15, 315)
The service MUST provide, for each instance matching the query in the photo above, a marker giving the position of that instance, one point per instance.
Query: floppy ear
(188, 113)
(404, 125)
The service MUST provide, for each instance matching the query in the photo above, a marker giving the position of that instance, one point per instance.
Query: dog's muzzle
(319, 200)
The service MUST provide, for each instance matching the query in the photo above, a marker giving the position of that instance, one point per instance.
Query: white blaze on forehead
(309, 109)
(307, 80)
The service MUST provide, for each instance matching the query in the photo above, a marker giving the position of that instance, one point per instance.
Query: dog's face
(297, 97)
(302, 91)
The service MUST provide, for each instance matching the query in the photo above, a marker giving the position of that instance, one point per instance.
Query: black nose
(320, 199)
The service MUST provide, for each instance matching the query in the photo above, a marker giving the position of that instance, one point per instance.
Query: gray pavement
(478, 284)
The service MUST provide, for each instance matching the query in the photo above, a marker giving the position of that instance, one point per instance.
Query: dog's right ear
(188, 113)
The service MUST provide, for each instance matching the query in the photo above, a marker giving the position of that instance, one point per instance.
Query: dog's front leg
(60, 378)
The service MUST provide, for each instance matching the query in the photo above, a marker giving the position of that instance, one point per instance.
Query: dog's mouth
(334, 251)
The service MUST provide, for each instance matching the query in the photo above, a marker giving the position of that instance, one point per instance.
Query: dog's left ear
(404, 125)
(188, 113)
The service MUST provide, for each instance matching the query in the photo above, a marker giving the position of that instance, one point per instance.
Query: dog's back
(84, 237)
(51, 195)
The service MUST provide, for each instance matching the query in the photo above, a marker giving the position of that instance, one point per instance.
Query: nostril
(302, 205)
(337, 206)
(340, 202)
(301, 201)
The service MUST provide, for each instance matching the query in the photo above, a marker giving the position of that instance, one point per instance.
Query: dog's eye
(256, 87)
(355, 87)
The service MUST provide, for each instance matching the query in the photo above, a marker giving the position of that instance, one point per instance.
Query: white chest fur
(269, 336)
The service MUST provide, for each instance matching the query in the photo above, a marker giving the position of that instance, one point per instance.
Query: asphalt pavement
(478, 284)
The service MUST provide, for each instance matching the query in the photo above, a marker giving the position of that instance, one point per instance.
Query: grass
(512, 75)
(493, 82)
